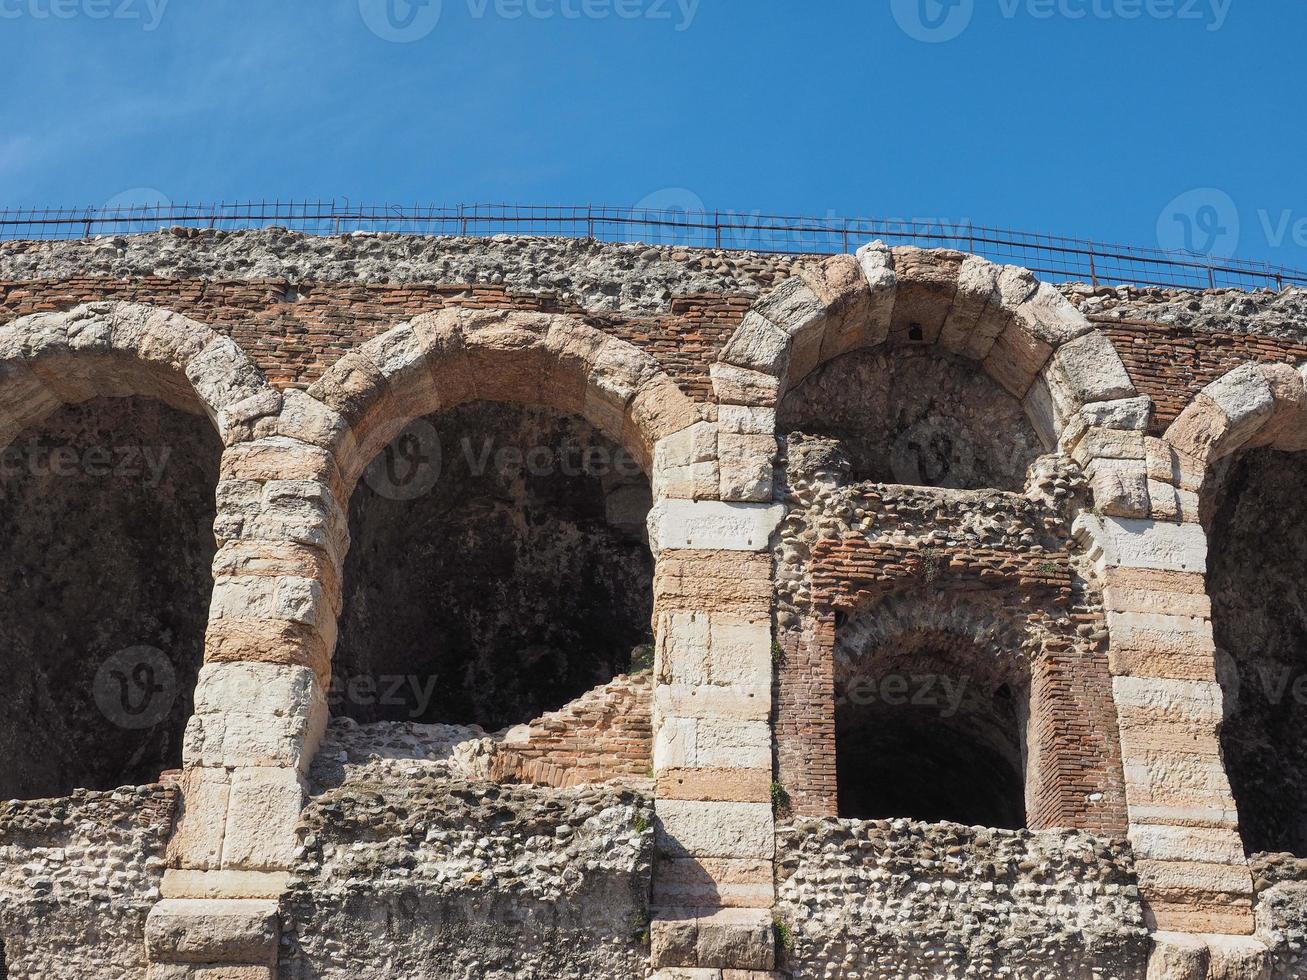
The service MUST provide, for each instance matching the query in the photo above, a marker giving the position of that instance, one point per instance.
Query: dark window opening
(106, 548)
(1257, 564)
(930, 738)
(498, 569)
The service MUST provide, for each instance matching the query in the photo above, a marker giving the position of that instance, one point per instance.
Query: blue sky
(1111, 119)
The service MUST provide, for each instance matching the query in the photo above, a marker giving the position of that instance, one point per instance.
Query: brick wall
(294, 332)
(605, 734)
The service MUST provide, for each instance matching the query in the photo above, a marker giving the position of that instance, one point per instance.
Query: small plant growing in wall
(784, 938)
(640, 926)
(777, 654)
(642, 658)
(780, 800)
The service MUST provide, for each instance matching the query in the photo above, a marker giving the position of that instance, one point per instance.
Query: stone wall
(1071, 585)
(78, 876)
(884, 900)
(408, 869)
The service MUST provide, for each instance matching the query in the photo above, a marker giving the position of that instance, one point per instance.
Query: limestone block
(746, 465)
(712, 525)
(694, 444)
(1047, 316)
(255, 714)
(207, 971)
(1208, 845)
(1224, 415)
(737, 938)
(660, 409)
(1285, 429)
(254, 414)
(1149, 701)
(1182, 815)
(877, 263)
(1125, 598)
(710, 743)
(841, 287)
(1016, 358)
(1119, 413)
(222, 375)
(927, 283)
(282, 458)
(1175, 778)
(202, 821)
(620, 370)
(1145, 544)
(308, 420)
(745, 420)
(695, 828)
(1120, 487)
(574, 348)
(758, 345)
(713, 883)
(800, 316)
(1176, 878)
(682, 649)
(180, 883)
(747, 702)
(1177, 956)
(1091, 369)
(24, 399)
(1238, 958)
(1045, 413)
(1097, 442)
(722, 785)
(244, 931)
(264, 807)
(741, 386)
(740, 650)
(977, 287)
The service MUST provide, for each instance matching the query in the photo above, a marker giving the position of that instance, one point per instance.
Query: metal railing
(1051, 256)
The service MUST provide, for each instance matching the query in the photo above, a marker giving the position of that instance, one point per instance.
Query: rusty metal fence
(1051, 256)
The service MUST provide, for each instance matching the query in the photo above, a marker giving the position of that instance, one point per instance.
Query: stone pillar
(713, 883)
(260, 705)
(1183, 824)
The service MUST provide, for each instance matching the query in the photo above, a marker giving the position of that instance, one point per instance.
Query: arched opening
(918, 416)
(929, 727)
(498, 569)
(106, 545)
(1257, 526)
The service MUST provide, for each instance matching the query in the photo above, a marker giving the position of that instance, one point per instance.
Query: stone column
(713, 885)
(1183, 824)
(260, 705)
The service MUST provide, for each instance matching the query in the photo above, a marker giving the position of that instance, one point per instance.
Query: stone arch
(443, 359)
(1253, 406)
(115, 349)
(1023, 332)
(86, 364)
(1233, 460)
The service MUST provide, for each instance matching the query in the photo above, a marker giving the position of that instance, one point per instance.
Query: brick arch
(1022, 331)
(443, 359)
(113, 349)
